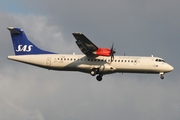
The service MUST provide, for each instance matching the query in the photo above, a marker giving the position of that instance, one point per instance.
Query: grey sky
(139, 27)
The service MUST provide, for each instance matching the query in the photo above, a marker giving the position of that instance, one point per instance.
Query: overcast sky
(141, 27)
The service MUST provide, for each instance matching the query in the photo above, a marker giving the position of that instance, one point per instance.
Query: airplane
(95, 61)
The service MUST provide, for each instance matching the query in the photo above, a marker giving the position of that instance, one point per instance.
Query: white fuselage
(82, 63)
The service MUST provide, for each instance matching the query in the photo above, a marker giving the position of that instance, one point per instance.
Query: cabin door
(48, 61)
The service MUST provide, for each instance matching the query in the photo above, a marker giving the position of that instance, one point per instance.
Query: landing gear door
(48, 61)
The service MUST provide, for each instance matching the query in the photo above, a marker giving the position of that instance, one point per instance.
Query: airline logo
(25, 48)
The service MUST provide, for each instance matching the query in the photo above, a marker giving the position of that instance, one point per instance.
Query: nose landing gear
(161, 75)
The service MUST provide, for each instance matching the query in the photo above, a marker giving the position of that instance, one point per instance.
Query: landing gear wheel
(162, 77)
(94, 71)
(99, 77)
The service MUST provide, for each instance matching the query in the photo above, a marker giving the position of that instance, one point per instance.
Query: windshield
(159, 60)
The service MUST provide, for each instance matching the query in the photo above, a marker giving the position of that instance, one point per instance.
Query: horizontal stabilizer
(14, 30)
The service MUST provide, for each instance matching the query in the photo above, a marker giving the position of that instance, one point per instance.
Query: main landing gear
(99, 77)
(94, 72)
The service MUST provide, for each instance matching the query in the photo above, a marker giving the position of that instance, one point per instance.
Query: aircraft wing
(84, 44)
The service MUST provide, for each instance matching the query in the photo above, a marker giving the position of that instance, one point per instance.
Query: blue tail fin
(22, 46)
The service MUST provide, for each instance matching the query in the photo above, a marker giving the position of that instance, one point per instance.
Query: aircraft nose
(171, 68)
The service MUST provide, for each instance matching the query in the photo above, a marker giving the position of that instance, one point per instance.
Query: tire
(93, 73)
(99, 78)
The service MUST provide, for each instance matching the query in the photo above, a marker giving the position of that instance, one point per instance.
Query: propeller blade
(112, 52)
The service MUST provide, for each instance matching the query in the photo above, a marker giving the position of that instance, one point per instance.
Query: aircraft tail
(21, 44)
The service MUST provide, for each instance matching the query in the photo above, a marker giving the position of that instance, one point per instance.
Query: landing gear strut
(99, 77)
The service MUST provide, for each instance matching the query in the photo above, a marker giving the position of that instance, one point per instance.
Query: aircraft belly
(137, 69)
(70, 66)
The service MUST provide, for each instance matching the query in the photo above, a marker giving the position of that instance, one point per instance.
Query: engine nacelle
(103, 52)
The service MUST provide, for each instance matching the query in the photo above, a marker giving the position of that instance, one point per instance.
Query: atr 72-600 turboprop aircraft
(96, 61)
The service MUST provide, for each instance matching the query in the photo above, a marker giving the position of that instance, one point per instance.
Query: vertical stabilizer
(21, 44)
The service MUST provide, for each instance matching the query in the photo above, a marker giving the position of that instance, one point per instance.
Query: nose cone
(171, 68)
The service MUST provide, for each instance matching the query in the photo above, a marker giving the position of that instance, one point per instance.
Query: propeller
(112, 52)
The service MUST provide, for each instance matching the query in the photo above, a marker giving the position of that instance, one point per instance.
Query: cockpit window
(159, 60)
(163, 61)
